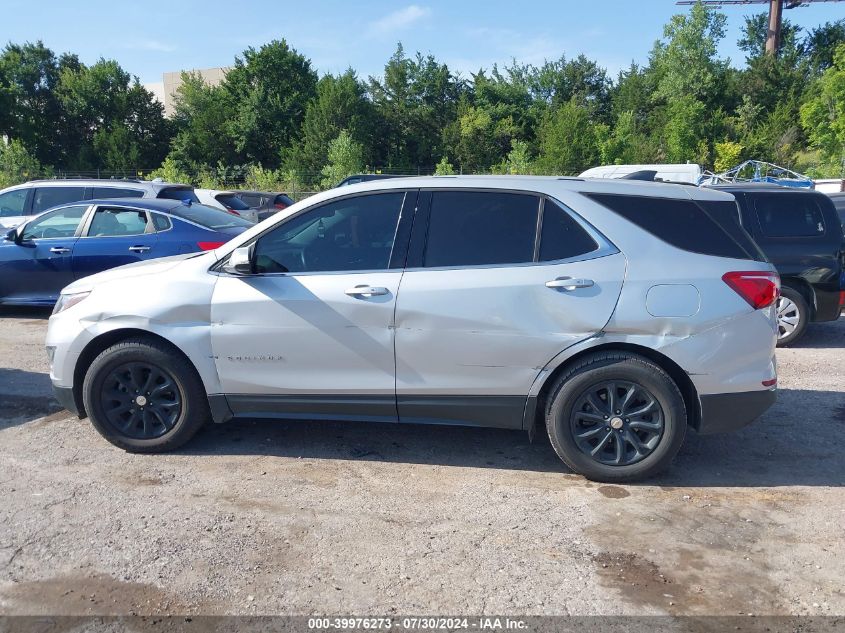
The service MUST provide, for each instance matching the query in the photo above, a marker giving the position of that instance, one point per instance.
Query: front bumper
(723, 412)
(64, 396)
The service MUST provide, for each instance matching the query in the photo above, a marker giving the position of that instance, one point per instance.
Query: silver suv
(20, 202)
(611, 314)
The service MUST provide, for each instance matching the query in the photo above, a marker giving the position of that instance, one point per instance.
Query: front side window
(59, 223)
(469, 228)
(47, 197)
(12, 203)
(344, 235)
(117, 222)
(789, 215)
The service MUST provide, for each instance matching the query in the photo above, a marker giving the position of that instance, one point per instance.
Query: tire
(162, 418)
(658, 428)
(793, 314)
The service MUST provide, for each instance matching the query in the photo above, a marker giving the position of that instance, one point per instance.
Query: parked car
(612, 314)
(227, 201)
(688, 173)
(265, 202)
(800, 232)
(41, 256)
(838, 200)
(31, 198)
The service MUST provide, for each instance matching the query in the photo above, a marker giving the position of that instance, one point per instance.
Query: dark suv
(801, 234)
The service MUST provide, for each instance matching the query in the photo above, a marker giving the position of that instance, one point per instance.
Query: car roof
(757, 186)
(150, 204)
(102, 182)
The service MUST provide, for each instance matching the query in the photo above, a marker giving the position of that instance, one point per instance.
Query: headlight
(68, 301)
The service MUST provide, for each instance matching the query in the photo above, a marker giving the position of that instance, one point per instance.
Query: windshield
(230, 201)
(208, 217)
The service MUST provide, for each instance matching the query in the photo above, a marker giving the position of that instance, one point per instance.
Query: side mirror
(240, 261)
(11, 236)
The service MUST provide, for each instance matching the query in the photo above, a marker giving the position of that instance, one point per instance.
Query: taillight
(233, 212)
(209, 246)
(842, 299)
(758, 288)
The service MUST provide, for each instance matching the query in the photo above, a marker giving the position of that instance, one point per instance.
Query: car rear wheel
(616, 417)
(793, 314)
(144, 397)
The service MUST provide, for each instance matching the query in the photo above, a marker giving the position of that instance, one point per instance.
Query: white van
(689, 172)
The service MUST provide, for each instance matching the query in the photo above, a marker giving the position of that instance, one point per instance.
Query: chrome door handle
(568, 283)
(366, 291)
(139, 249)
(59, 249)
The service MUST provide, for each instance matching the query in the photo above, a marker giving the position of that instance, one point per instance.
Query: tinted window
(726, 215)
(46, 197)
(469, 228)
(161, 222)
(12, 203)
(59, 223)
(252, 199)
(282, 201)
(561, 236)
(351, 234)
(116, 192)
(178, 193)
(681, 223)
(117, 222)
(789, 215)
(231, 201)
(208, 217)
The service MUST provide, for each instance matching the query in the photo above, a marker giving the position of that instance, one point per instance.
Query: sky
(151, 37)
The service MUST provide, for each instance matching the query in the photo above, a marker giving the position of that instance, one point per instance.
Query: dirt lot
(270, 517)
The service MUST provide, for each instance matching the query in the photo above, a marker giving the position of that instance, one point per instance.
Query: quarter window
(115, 192)
(345, 235)
(47, 197)
(59, 223)
(561, 236)
(789, 215)
(468, 228)
(161, 222)
(118, 222)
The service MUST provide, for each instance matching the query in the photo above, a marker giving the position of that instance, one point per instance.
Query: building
(165, 90)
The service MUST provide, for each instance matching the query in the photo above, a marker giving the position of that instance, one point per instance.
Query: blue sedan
(42, 256)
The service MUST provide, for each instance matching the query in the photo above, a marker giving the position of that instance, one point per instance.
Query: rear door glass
(116, 192)
(783, 215)
(47, 197)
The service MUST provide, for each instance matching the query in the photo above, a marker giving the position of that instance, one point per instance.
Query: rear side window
(469, 228)
(161, 222)
(12, 203)
(46, 197)
(178, 193)
(789, 215)
(231, 201)
(116, 192)
(561, 237)
(681, 223)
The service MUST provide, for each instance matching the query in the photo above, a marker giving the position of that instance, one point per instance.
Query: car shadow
(799, 442)
(25, 396)
(829, 335)
(25, 312)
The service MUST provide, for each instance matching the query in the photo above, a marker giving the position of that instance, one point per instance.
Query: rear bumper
(723, 412)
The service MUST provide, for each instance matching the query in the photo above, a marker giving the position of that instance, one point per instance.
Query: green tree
(568, 140)
(17, 164)
(518, 160)
(823, 115)
(728, 154)
(444, 168)
(271, 88)
(345, 158)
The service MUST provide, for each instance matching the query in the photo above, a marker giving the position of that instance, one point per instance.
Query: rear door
(497, 284)
(114, 236)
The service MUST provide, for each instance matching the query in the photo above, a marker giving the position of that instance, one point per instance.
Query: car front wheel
(144, 397)
(616, 417)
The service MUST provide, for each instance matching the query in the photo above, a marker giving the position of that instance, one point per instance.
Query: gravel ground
(313, 517)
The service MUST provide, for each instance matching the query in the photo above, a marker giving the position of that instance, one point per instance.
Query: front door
(310, 332)
(486, 302)
(36, 267)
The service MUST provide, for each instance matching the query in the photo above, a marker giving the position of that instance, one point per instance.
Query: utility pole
(776, 7)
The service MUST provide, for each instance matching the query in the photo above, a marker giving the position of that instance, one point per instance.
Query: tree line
(274, 123)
